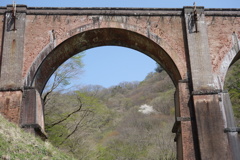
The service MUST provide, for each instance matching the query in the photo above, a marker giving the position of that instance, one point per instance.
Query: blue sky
(126, 3)
(111, 65)
(108, 66)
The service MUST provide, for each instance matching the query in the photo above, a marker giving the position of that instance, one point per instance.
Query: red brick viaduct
(195, 46)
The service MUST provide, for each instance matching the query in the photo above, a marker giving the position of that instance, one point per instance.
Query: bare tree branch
(65, 118)
(76, 127)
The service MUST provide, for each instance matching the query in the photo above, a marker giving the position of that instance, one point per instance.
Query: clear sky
(109, 66)
(126, 3)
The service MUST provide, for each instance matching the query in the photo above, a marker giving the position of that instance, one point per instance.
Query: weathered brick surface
(10, 104)
(167, 28)
(187, 132)
(32, 109)
(213, 142)
(1, 28)
(221, 32)
(39, 111)
(12, 51)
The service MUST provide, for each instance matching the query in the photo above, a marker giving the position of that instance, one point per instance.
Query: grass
(17, 144)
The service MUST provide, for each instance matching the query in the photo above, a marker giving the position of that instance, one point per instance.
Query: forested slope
(232, 84)
(132, 120)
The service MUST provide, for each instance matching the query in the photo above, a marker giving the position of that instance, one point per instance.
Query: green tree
(62, 77)
(232, 84)
(74, 120)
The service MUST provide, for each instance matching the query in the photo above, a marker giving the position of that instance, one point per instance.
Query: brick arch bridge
(195, 46)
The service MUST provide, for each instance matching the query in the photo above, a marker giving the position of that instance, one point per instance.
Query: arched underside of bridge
(38, 76)
(48, 61)
(236, 58)
(232, 57)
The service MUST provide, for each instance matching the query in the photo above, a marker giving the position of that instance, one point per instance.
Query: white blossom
(146, 109)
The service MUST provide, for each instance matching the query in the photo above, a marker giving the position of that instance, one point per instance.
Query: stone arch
(230, 58)
(52, 58)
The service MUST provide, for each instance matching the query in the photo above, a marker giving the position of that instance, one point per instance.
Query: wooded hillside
(132, 120)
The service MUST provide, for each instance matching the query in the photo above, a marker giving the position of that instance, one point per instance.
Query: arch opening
(38, 77)
(137, 120)
(95, 38)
